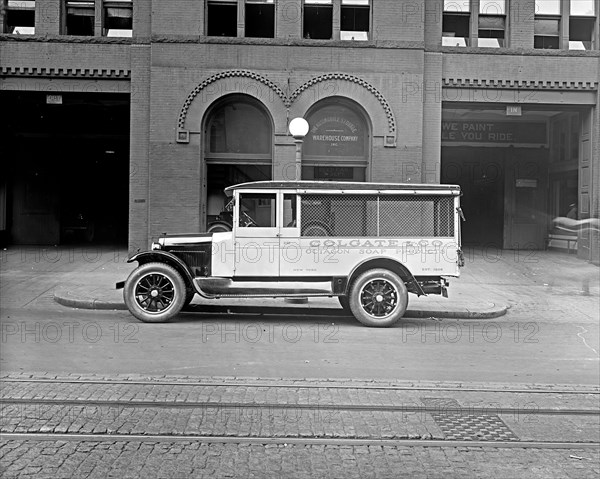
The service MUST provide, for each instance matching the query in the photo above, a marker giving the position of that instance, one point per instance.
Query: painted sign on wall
(335, 131)
(494, 132)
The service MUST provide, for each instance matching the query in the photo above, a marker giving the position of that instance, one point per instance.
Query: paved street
(131, 426)
(95, 393)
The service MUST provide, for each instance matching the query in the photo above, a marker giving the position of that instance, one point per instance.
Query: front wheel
(154, 293)
(378, 298)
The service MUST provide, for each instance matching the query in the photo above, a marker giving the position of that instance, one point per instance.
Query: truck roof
(345, 186)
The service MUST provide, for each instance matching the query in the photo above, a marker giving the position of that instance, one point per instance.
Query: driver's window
(257, 210)
(289, 211)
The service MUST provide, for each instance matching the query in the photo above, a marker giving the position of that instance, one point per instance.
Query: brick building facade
(168, 102)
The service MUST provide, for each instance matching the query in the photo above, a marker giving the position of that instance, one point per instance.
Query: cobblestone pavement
(129, 459)
(130, 426)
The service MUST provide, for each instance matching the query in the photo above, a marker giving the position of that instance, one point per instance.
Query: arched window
(337, 145)
(238, 128)
(238, 147)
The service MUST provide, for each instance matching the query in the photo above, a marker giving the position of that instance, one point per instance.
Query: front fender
(158, 256)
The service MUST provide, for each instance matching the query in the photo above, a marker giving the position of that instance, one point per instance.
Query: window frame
(24, 11)
(84, 5)
(116, 4)
(230, 3)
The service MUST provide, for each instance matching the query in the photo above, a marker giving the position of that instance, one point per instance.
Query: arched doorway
(338, 144)
(238, 147)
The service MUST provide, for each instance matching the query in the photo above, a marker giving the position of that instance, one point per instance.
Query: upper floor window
(547, 7)
(318, 17)
(118, 18)
(221, 18)
(455, 23)
(20, 17)
(492, 23)
(260, 18)
(582, 23)
(355, 20)
(547, 24)
(80, 17)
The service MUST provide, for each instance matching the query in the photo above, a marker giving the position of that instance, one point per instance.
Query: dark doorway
(480, 174)
(67, 167)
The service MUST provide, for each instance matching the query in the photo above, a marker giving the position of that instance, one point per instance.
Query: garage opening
(66, 166)
(524, 177)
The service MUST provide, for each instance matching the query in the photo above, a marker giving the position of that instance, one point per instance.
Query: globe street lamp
(298, 129)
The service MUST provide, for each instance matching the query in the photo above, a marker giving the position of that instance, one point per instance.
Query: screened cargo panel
(377, 215)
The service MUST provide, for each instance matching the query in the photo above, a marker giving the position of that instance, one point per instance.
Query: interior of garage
(518, 173)
(66, 167)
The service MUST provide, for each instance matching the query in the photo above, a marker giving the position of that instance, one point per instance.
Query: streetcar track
(3, 381)
(405, 408)
(295, 440)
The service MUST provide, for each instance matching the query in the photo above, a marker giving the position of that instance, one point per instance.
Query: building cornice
(518, 84)
(527, 52)
(65, 72)
(6, 37)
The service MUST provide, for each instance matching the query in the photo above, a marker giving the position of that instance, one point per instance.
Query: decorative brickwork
(287, 101)
(227, 74)
(64, 72)
(351, 78)
(534, 84)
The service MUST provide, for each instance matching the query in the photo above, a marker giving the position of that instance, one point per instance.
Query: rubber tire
(345, 303)
(219, 228)
(355, 302)
(178, 286)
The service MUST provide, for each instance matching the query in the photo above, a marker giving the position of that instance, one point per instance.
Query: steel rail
(413, 408)
(273, 384)
(296, 441)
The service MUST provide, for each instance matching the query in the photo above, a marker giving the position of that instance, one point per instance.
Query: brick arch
(227, 75)
(345, 85)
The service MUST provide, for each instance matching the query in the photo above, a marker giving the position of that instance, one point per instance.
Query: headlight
(155, 245)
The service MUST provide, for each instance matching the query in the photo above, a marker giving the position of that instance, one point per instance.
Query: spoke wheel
(378, 298)
(154, 292)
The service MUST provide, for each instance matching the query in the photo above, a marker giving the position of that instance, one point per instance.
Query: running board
(223, 287)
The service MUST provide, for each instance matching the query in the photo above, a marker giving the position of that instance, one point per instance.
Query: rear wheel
(154, 293)
(378, 298)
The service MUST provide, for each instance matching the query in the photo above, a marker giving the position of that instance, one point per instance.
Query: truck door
(256, 234)
(290, 252)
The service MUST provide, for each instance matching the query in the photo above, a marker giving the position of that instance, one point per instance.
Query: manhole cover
(467, 427)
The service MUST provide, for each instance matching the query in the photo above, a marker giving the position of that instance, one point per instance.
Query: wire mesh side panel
(371, 216)
(339, 215)
(417, 216)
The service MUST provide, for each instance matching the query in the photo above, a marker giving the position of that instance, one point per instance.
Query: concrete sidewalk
(491, 282)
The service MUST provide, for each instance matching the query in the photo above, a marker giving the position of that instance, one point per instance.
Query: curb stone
(72, 300)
